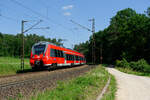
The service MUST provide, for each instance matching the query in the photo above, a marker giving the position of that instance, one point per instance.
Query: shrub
(141, 65)
(133, 65)
(123, 63)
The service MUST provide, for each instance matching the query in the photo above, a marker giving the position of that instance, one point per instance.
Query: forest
(127, 37)
(11, 45)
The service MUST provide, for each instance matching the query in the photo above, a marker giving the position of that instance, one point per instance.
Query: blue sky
(57, 14)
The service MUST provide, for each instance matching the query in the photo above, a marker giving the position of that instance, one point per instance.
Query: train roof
(49, 43)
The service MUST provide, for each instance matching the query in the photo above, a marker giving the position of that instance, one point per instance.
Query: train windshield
(39, 49)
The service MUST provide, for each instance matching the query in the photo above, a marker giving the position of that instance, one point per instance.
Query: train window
(67, 57)
(76, 58)
(71, 57)
(55, 52)
(39, 49)
(79, 58)
(61, 54)
(58, 53)
(52, 52)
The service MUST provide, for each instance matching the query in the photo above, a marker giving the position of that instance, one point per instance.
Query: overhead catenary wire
(9, 18)
(52, 7)
(12, 18)
(39, 14)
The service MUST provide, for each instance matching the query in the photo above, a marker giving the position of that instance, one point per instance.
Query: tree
(127, 36)
(148, 11)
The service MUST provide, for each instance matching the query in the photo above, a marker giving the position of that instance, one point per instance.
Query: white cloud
(67, 7)
(67, 14)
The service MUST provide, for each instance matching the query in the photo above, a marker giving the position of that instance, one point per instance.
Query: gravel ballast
(26, 84)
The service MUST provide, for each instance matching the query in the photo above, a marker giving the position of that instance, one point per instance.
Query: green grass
(130, 71)
(110, 94)
(10, 65)
(86, 87)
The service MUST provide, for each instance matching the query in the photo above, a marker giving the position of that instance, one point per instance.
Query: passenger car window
(52, 52)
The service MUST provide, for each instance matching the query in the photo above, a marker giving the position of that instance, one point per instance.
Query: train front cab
(38, 58)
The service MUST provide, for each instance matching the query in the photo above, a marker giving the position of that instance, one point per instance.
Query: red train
(45, 54)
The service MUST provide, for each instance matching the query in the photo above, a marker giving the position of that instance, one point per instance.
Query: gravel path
(131, 87)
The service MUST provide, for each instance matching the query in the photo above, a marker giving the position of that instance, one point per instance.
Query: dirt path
(131, 87)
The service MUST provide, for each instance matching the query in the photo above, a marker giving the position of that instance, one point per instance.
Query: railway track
(29, 86)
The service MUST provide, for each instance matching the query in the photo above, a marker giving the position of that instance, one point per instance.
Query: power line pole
(101, 54)
(93, 36)
(22, 32)
(93, 42)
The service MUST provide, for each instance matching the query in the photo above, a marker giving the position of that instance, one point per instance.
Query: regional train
(46, 55)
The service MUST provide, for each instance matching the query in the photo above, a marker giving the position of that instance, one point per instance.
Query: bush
(140, 65)
(143, 65)
(122, 63)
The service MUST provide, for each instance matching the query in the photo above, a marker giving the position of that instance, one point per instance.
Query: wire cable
(39, 14)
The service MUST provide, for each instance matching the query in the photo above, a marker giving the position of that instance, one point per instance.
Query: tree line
(11, 45)
(127, 36)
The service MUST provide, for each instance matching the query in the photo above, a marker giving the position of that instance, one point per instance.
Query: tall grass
(10, 65)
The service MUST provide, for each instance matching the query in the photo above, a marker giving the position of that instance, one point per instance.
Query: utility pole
(93, 36)
(22, 32)
(101, 54)
(93, 42)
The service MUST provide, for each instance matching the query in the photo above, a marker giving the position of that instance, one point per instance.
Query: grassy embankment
(85, 87)
(10, 65)
(130, 71)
